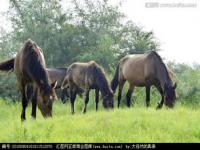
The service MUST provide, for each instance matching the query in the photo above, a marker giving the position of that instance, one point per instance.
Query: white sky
(177, 29)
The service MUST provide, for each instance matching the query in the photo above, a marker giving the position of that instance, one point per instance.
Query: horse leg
(121, 85)
(160, 104)
(128, 95)
(72, 99)
(34, 104)
(97, 98)
(86, 101)
(148, 87)
(24, 104)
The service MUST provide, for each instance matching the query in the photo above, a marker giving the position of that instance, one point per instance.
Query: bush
(188, 83)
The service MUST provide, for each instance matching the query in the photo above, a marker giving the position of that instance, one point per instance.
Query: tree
(136, 41)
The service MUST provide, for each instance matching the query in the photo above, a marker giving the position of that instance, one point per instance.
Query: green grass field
(137, 124)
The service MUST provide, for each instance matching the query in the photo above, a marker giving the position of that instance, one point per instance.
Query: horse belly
(136, 80)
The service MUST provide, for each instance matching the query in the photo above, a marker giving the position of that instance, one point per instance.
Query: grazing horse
(58, 74)
(55, 74)
(88, 76)
(29, 67)
(144, 70)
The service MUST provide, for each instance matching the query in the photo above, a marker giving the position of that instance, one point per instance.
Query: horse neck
(163, 76)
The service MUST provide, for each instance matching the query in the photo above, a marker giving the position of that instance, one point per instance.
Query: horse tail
(64, 83)
(7, 65)
(115, 80)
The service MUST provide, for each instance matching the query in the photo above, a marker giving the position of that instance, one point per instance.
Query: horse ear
(53, 85)
(175, 85)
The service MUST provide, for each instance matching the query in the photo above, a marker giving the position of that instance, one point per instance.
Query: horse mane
(154, 53)
(100, 78)
(37, 70)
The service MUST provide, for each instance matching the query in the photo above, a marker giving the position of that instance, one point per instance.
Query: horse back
(81, 75)
(137, 68)
(25, 60)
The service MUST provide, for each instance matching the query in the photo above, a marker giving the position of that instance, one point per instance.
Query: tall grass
(137, 124)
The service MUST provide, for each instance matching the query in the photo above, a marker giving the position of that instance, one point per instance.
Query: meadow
(136, 124)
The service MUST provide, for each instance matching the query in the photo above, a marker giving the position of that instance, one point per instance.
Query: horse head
(170, 95)
(45, 98)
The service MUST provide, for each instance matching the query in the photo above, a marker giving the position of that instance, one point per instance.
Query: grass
(137, 124)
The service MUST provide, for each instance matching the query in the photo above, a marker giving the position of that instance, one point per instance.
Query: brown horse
(144, 70)
(58, 74)
(29, 67)
(88, 76)
(55, 74)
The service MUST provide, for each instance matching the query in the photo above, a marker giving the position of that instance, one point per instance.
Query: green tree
(134, 40)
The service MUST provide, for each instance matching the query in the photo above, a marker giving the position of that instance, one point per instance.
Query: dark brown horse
(144, 70)
(55, 74)
(88, 76)
(29, 67)
(58, 74)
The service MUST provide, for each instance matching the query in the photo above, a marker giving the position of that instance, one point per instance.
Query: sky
(177, 28)
(175, 23)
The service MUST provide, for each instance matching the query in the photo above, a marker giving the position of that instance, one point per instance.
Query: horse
(55, 74)
(144, 70)
(88, 76)
(58, 74)
(30, 68)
